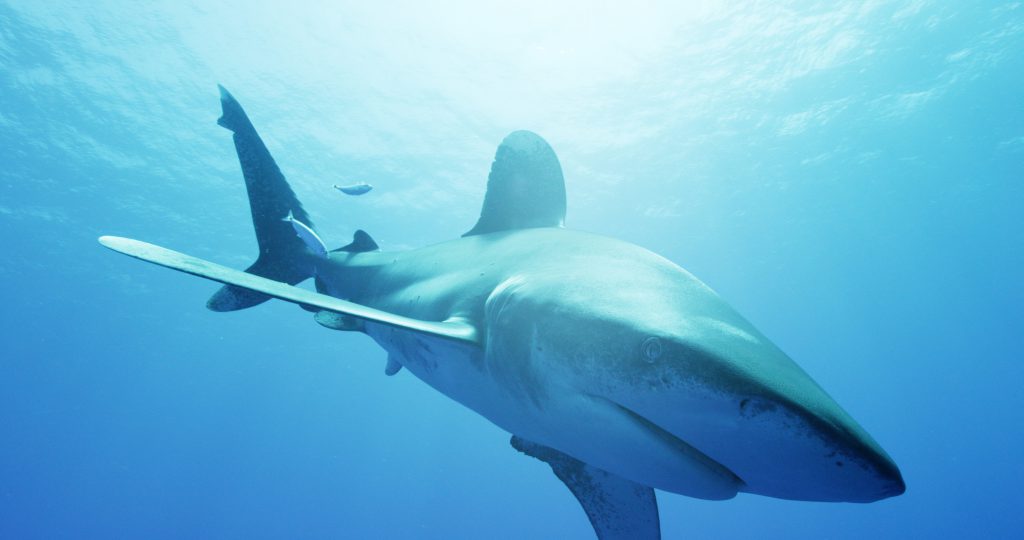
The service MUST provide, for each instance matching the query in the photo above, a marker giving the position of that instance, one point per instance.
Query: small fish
(354, 189)
(308, 236)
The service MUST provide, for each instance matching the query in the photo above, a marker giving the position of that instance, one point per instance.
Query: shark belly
(590, 428)
(449, 367)
(457, 370)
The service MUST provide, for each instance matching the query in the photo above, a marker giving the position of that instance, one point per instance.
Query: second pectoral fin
(617, 508)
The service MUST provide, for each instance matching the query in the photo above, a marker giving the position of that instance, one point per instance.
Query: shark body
(615, 366)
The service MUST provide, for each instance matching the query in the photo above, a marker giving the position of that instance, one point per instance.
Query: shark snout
(893, 486)
(779, 448)
(856, 468)
(787, 438)
(753, 411)
(888, 479)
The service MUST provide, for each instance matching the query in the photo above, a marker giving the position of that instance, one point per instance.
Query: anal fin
(617, 508)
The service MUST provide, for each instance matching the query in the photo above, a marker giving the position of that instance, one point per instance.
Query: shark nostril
(651, 349)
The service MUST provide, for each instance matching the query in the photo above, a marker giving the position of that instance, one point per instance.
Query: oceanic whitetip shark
(616, 367)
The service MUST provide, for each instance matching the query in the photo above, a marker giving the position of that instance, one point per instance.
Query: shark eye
(651, 349)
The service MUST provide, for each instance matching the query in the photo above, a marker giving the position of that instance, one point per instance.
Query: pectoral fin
(453, 329)
(617, 508)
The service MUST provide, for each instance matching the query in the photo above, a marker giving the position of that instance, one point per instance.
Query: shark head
(641, 333)
(716, 383)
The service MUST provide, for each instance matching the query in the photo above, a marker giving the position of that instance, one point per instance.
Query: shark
(614, 366)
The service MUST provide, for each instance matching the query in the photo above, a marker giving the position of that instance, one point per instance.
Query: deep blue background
(848, 177)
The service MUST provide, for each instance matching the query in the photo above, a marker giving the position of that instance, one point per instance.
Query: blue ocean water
(848, 176)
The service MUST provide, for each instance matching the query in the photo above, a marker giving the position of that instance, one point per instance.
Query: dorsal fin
(525, 188)
(361, 242)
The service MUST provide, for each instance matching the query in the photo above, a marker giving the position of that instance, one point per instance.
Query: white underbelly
(455, 369)
(589, 428)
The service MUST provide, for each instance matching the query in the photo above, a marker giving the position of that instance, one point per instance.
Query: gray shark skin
(615, 366)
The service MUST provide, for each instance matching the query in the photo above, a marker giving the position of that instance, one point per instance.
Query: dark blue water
(849, 178)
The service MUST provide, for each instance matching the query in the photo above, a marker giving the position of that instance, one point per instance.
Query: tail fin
(283, 256)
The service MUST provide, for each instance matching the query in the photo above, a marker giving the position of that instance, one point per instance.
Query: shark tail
(283, 255)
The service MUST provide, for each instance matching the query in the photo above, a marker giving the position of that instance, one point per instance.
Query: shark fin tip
(224, 94)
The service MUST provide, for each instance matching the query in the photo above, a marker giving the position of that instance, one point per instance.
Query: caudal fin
(283, 255)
